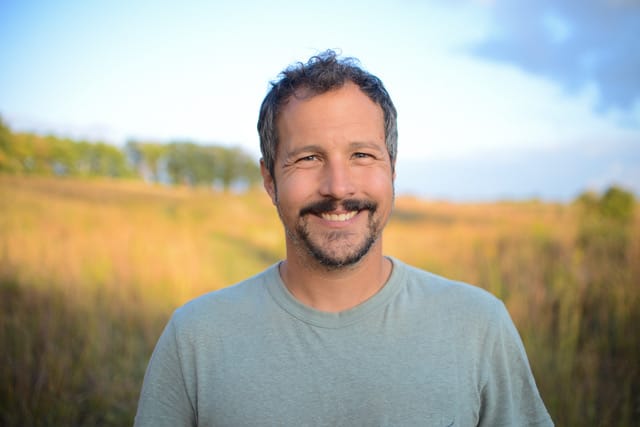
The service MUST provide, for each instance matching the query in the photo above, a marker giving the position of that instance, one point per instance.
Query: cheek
(291, 193)
(380, 184)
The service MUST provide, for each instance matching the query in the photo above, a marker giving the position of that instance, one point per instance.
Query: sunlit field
(90, 271)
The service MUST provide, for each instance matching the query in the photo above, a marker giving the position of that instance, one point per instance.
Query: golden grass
(90, 271)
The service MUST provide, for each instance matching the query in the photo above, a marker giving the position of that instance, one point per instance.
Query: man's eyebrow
(311, 148)
(370, 145)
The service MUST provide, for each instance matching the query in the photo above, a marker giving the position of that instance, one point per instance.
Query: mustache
(329, 205)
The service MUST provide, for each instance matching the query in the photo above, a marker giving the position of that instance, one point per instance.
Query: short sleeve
(164, 400)
(509, 394)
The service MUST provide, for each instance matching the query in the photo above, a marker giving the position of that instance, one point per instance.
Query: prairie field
(91, 270)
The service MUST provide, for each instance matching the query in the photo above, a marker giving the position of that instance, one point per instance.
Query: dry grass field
(91, 270)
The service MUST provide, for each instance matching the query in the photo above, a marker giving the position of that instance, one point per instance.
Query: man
(337, 334)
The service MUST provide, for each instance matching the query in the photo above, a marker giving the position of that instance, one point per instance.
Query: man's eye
(309, 158)
(362, 155)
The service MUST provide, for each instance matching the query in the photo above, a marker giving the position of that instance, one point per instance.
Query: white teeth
(339, 217)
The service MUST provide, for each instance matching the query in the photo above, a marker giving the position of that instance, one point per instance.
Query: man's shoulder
(227, 303)
(448, 293)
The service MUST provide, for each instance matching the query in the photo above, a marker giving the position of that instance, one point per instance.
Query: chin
(333, 261)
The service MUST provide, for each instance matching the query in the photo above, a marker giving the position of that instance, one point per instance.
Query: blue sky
(495, 101)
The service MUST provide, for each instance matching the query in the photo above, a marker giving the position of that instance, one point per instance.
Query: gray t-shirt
(423, 351)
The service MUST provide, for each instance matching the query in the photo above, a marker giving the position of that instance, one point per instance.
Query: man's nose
(337, 180)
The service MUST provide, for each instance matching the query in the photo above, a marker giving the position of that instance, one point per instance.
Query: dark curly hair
(322, 73)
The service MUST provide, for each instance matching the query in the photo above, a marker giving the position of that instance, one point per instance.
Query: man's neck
(336, 290)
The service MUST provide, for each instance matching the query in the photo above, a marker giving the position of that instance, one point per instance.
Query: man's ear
(268, 182)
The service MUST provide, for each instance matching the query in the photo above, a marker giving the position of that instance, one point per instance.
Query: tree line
(176, 162)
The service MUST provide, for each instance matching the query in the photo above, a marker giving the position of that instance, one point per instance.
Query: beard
(339, 248)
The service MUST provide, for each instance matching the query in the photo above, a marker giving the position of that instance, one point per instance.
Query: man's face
(333, 185)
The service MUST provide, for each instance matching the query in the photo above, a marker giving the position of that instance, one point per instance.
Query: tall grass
(90, 272)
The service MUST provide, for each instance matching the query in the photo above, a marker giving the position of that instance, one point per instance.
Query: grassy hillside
(91, 270)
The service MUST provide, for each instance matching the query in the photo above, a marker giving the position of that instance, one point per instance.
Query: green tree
(191, 164)
(236, 167)
(147, 158)
(194, 164)
(604, 231)
(7, 161)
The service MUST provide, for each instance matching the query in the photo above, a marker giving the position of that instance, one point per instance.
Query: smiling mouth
(338, 211)
(339, 217)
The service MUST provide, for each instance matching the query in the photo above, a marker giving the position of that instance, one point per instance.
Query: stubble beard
(336, 249)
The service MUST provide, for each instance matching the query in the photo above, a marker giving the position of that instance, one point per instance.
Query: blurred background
(129, 180)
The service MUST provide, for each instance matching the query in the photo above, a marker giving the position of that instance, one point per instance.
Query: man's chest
(330, 378)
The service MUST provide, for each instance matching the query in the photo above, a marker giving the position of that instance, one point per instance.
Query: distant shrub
(616, 205)
(604, 228)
